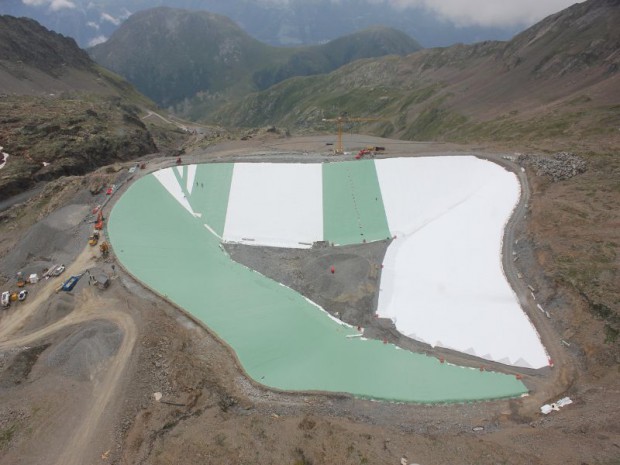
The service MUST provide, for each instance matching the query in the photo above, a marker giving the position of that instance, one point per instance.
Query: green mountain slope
(369, 43)
(173, 56)
(559, 77)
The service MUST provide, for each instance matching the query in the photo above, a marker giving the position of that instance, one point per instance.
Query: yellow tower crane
(339, 150)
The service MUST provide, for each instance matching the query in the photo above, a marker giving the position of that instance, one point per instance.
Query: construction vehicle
(340, 121)
(94, 238)
(99, 223)
(5, 300)
(104, 248)
(56, 270)
(361, 153)
(70, 283)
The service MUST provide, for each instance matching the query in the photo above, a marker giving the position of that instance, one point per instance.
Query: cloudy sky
(489, 12)
(499, 13)
(54, 5)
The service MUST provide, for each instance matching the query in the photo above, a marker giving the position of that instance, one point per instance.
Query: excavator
(94, 238)
(105, 249)
(99, 223)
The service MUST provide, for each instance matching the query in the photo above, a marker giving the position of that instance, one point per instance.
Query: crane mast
(339, 150)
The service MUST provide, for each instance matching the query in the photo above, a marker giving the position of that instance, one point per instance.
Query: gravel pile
(81, 354)
(561, 166)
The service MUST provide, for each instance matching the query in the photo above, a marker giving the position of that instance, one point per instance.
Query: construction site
(288, 301)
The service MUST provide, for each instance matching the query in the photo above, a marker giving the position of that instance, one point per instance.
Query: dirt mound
(82, 354)
(52, 240)
(56, 308)
(18, 365)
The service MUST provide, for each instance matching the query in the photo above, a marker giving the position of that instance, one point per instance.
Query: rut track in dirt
(90, 307)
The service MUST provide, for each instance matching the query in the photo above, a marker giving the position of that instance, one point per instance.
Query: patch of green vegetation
(611, 334)
(579, 99)
(301, 458)
(434, 123)
(6, 435)
(220, 439)
(419, 96)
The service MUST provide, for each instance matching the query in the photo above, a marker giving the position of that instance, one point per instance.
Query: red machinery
(99, 222)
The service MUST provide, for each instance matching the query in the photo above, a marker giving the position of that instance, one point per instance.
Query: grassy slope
(556, 83)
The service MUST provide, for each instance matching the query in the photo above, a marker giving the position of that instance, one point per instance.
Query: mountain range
(174, 56)
(557, 83)
(557, 79)
(294, 22)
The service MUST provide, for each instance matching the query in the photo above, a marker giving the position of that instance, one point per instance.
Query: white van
(6, 299)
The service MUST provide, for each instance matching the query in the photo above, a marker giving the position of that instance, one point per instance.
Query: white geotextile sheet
(275, 204)
(172, 184)
(443, 282)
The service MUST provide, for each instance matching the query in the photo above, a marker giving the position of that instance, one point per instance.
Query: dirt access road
(78, 374)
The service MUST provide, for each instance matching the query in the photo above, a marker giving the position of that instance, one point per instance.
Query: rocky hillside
(556, 80)
(27, 42)
(200, 58)
(60, 113)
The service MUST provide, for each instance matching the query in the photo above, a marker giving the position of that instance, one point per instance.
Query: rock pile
(560, 166)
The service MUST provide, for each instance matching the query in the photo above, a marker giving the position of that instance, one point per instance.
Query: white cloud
(54, 5)
(111, 19)
(93, 24)
(35, 2)
(97, 40)
(500, 13)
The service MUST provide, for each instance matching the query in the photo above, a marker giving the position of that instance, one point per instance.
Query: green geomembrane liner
(210, 193)
(281, 339)
(352, 204)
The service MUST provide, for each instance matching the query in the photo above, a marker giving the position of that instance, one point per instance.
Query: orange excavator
(99, 223)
